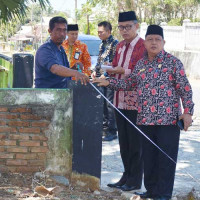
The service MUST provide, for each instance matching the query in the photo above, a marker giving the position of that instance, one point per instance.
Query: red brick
(18, 123)
(2, 149)
(36, 162)
(29, 130)
(7, 143)
(30, 143)
(26, 156)
(30, 117)
(5, 130)
(20, 110)
(18, 137)
(2, 136)
(8, 116)
(45, 144)
(39, 137)
(16, 162)
(22, 169)
(41, 156)
(2, 109)
(13, 130)
(40, 124)
(43, 130)
(17, 149)
(6, 155)
(8, 130)
(39, 149)
(2, 123)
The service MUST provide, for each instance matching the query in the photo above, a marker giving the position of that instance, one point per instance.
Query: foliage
(150, 11)
(12, 9)
(9, 29)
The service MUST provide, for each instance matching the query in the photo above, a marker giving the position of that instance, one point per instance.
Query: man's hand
(102, 77)
(82, 77)
(187, 118)
(101, 82)
(107, 63)
(116, 70)
(93, 75)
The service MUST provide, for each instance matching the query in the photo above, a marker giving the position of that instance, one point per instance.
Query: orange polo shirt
(78, 52)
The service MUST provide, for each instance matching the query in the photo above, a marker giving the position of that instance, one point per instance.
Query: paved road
(188, 167)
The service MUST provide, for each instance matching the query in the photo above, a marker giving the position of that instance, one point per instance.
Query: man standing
(129, 51)
(107, 51)
(51, 64)
(77, 52)
(161, 83)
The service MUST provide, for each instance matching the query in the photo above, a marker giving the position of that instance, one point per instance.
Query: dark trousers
(109, 123)
(159, 170)
(130, 142)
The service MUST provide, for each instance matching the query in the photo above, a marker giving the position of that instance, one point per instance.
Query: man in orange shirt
(77, 52)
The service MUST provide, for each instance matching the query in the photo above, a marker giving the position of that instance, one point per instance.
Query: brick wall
(23, 145)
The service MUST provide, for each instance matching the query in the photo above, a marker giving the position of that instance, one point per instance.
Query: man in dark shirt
(51, 64)
(107, 51)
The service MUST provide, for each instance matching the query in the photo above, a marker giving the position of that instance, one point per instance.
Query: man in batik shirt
(77, 52)
(161, 83)
(128, 52)
(107, 51)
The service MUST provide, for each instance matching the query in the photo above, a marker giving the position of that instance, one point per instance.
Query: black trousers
(109, 122)
(130, 142)
(159, 170)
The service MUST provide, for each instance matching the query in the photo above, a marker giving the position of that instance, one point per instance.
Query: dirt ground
(20, 186)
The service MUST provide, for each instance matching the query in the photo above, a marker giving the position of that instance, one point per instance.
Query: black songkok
(154, 30)
(72, 27)
(127, 16)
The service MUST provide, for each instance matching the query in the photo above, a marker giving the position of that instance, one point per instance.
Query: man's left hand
(187, 118)
(116, 70)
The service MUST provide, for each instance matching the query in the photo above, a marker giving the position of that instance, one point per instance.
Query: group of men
(148, 84)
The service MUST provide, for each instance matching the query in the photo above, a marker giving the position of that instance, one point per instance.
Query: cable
(196, 180)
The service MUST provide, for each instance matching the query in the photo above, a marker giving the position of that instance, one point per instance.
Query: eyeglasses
(127, 27)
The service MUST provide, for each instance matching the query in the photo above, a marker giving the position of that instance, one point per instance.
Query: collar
(77, 42)
(109, 39)
(54, 46)
(134, 41)
(158, 58)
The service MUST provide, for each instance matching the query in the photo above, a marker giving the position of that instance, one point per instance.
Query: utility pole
(41, 39)
(75, 11)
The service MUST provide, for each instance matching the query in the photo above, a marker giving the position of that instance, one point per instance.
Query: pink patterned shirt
(161, 84)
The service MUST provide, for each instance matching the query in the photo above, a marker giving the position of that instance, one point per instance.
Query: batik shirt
(127, 100)
(107, 51)
(78, 52)
(161, 84)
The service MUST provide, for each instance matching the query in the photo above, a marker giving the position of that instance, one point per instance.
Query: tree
(12, 9)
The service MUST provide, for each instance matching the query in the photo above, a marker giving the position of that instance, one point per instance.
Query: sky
(66, 5)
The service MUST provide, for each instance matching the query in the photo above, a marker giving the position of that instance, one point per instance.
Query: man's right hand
(82, 77)
(101, 82)
(93, 75)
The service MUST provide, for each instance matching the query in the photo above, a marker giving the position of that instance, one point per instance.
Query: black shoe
(116, 185)
(109, 138)
(144, 195)
(126, 187)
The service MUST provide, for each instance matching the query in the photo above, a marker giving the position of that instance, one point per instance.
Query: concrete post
(185, 22)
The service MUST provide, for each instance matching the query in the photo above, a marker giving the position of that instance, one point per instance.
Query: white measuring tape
(196, 180)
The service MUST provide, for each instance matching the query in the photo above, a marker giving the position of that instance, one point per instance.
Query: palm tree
(12, 9)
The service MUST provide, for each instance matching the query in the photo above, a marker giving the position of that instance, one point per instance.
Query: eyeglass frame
(127, 27)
